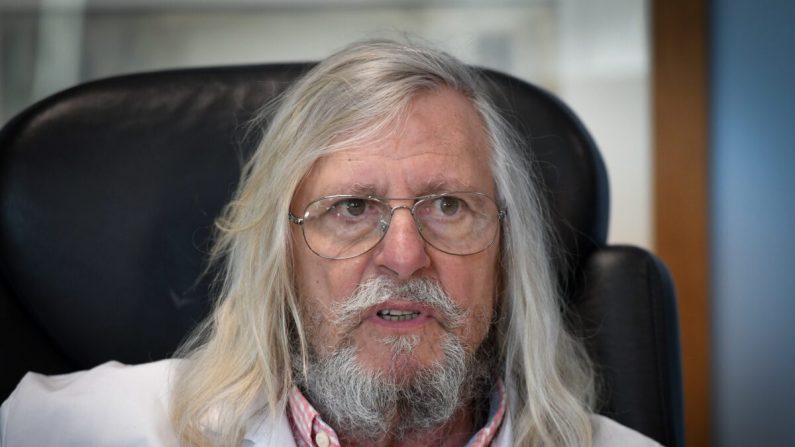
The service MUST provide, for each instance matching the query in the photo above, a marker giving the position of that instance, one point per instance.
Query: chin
(400, 359)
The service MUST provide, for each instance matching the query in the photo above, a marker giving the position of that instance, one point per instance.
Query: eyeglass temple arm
(295, 219)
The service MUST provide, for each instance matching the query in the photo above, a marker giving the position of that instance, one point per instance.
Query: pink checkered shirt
(309, 430)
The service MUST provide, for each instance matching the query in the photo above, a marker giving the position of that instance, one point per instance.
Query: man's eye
(448, 205)
(352, 207)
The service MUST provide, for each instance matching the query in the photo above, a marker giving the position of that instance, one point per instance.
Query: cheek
(315, 278)
(326, 282)
(320, 285)
(473, 285)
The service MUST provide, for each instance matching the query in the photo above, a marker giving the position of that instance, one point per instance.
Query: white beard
(371, 405)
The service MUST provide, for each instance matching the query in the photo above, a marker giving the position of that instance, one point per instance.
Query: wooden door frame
(680, 55)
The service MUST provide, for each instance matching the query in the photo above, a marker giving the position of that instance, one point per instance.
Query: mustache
(374, 291)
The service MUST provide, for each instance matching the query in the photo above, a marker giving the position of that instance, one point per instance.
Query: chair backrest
(108, 192)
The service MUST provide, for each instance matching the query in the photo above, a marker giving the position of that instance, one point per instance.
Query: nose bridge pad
(392, 214)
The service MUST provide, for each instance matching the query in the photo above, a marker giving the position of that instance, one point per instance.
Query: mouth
(397, 315)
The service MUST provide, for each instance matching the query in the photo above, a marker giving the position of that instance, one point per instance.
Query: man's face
(440, 148)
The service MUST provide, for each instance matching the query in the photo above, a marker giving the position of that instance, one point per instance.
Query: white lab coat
(127, 406)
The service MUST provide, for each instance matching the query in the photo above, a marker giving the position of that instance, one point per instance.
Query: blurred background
(689, 101)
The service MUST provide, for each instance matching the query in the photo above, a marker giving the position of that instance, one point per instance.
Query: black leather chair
(108, 193)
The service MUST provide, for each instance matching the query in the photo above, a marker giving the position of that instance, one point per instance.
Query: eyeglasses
(346, 226)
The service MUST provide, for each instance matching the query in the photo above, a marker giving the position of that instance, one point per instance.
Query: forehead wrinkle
(423, 187)
(420, 154)
(451, 142)
(397, 151)
(420, 181)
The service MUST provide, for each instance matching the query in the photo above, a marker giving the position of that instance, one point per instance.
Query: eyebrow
(363, 189)
(424, 188)
(441, 185)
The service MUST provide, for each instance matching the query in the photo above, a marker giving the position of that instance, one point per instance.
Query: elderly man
(385, 283)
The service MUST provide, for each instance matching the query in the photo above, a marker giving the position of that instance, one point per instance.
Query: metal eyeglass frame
(501, 213)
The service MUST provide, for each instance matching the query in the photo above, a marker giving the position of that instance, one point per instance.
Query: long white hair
(239, 358)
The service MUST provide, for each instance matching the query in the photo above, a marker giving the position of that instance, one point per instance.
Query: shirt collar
(309, 429)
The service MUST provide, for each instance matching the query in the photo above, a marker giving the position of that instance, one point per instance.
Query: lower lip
(414, 323)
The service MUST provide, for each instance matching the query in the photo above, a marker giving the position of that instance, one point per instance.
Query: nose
(402, 250)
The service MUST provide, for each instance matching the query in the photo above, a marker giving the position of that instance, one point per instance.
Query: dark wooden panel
(680, 73)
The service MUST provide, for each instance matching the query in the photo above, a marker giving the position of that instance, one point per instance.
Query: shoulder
(607, 432)
(112, 404)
